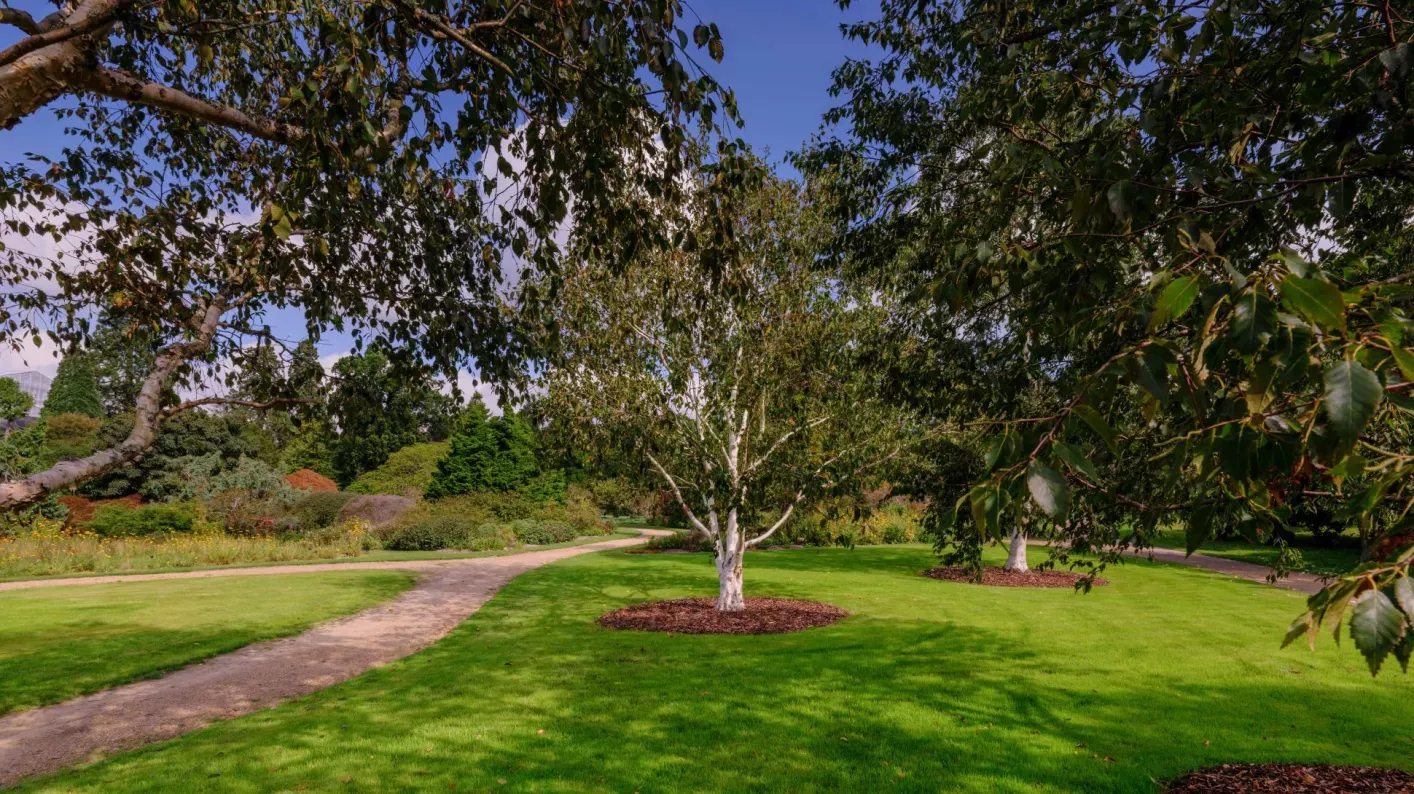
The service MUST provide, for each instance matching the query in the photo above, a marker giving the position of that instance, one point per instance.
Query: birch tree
(744, 386)
(369, 165)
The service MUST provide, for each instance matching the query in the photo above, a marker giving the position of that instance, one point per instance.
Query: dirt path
(47, 739)
(1301, 582)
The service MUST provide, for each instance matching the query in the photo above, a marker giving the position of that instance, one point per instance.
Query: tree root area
(1293, 779)
(700, 616)
(996, 577)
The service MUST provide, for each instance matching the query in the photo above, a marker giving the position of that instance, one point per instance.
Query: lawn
(928, 686)
(60, 642)
(1318, 560)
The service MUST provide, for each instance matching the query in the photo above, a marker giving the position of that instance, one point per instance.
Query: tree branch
(87, 18)
(19, 19)
(259, 406)
(147, 419)
(677, 493)
(129, 88)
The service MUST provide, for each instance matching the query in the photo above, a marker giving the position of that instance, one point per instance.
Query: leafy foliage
(75, 389)
(319, 509)
(117, 521)
(407, 472)
(379, 410)
(14, 404)
(1220, 193)
(487, 454)
(394, 154)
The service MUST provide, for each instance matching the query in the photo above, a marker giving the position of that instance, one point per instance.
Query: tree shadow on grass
(886, 700)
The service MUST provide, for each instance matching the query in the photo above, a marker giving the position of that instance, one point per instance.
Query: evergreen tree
(487, 455)
(75, 389)
(14, 404)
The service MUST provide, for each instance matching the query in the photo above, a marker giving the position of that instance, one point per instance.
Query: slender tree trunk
(731, 549)
(1016, 556)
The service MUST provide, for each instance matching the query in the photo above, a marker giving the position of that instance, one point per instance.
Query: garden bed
(996, 577)
(700, 616)
(1293, 779)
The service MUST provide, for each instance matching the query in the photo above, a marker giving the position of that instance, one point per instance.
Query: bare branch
(19, 19)
(259, 406)
(677, 493)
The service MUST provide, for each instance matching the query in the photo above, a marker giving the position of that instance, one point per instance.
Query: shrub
(117, 521)
(685, 541)
(541, 532)
(547, 486)
(407, 472)
(620, 497)
(889, 524)
(310, 480)
(241, 511)
(376, 509)
(320, 508)
(450, 532)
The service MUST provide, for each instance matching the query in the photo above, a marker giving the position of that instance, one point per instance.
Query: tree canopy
(1188, 226)
(225, 161)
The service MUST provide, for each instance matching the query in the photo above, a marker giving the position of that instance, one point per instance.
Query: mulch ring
(700, 616)
(996, 577)
(1293, 779)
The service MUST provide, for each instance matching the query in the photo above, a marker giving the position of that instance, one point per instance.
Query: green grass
(61, 642)
(1318, 560)
(929, 686)
(372, 556)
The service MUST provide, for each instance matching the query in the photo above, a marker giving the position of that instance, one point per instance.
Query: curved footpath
(48, 739)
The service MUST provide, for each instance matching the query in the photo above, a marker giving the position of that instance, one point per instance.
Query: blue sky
(779, 59)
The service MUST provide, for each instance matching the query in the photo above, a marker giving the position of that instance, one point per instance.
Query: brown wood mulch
(700, 616)
(1293, 779)
(996, 577)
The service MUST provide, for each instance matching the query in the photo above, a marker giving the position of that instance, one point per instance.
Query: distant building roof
(34, 384)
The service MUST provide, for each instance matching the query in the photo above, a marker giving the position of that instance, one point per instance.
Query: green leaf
(1401, 401)
(1316, 300)
(1376, 626)
(1077, 461)
(1097, 423)
(1253, 319)
(1049, 489)
(1404, 360)
(1352, 394)
(1402, 591)
(1174, 301)
(1200, 527)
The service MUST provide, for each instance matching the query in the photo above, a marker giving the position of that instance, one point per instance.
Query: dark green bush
(450, 532)
(541, 533)
(116, 521)
(319, 509)
(685, 541)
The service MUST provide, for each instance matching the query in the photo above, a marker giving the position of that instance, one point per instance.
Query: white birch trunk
(731, 550)
(1016, 557)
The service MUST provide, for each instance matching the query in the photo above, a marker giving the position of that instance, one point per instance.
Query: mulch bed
(996, 577)
(700, 616)
(1293, 779)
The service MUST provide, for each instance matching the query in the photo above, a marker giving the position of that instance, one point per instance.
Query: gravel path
(1301, 582)
(48, 739)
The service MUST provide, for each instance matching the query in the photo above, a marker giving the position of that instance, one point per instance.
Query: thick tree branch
(19, 19)
(259, 406)
(87, 18)
(123, 86)
(148, 416)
